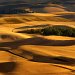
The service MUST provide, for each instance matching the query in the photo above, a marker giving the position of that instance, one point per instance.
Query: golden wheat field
(28, 54)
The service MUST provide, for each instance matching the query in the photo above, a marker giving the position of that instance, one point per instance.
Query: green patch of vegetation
(59, 30)
(52, 30)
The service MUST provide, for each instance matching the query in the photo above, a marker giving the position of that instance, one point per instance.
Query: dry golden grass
(23, 54)
(17, 19)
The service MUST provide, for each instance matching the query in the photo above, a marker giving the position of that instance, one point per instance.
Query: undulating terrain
(35, 54)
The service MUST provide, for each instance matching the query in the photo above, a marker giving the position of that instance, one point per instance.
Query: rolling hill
(36, 54)
(50, 6)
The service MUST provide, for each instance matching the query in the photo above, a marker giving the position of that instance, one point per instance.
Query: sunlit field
(37, 39)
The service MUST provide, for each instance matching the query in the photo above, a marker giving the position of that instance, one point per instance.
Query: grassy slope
(47, 54)
(42, 55)
(33, 17)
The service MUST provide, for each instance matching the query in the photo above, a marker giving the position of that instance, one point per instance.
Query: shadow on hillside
(35, 57)
(12, 46)
(37, 41)
(68, 16)
(7, 67)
